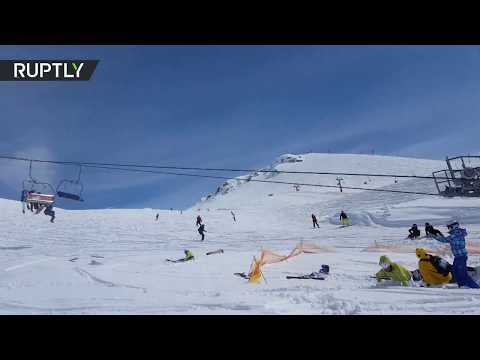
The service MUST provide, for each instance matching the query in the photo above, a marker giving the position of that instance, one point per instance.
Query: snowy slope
(121, 268)
(240, 193)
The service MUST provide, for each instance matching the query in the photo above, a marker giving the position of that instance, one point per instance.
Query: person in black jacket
(414, 232)
(314, 220)
(431, 231)
(49, 212)
(202, 231)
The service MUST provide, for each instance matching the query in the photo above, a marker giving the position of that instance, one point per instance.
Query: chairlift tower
(459, 179)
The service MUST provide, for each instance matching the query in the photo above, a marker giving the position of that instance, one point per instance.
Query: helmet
(453, 225)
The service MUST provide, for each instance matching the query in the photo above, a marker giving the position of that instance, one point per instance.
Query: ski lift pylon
(71, 189)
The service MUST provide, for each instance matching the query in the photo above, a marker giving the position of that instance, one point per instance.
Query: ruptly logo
(47, 70)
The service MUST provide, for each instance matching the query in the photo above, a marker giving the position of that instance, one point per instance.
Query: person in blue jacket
(456, 239)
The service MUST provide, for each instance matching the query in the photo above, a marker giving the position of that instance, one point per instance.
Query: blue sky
(232, 106)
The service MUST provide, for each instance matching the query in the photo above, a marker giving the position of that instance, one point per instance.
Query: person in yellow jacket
(393, 271)
(434, 270)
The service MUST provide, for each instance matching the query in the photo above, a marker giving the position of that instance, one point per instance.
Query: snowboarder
(434, 270)
(344, 219)
(315, 222)
(233, 215)
(414, 232)
(430, 230)
(456, 239)
(202, 231)
(156, 218)
(199, 220)
(49, 212)
(393, 271)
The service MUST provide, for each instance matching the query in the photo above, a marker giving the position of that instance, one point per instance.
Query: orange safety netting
(256, 272)
(473, 248)
(440, 250)
(269, 257)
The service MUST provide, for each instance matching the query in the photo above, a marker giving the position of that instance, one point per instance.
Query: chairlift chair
(71, 189)
(37, 192)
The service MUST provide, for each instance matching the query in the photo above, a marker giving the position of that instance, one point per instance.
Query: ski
(305, 277)
(242, 275)
(219, 251)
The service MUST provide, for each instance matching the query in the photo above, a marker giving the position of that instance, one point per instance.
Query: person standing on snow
(393, 271)
(233, 215)
(156, 218)
(456, 239)
(343, 218)
(202, 231)
(199, 220)
(315, 222)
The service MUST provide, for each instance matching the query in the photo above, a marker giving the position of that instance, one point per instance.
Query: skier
(199, 220)
(202, 231)
(156, 218)
(233, 215)
(188, 256)
(414, 232)
(434, 270)
(314, 220)
(430, 230)
(393, 271)
(456, 239)
(344, 218)
(49, 212)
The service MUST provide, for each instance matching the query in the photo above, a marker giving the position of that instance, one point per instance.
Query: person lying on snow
(434, 270)
(430, 231)
(456, 239)
(414, 232)
(188, 256)
(437, 275)
(393, 271)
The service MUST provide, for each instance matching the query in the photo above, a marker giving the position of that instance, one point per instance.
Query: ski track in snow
(130, 275)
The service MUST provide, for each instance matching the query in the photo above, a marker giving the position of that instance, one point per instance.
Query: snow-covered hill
(241, 192)
(113, 261)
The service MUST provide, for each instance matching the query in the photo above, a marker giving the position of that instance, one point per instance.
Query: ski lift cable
(220, 169)
(256, 180)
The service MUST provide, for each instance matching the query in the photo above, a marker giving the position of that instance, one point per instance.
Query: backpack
(442, 266)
